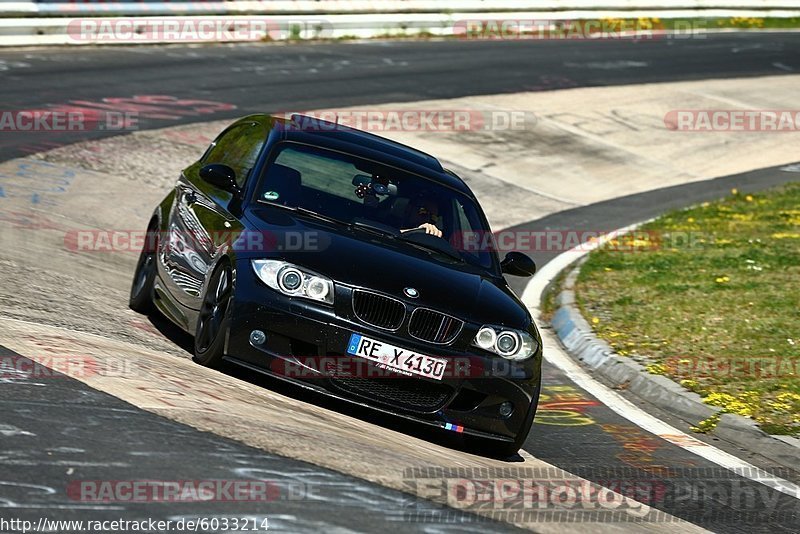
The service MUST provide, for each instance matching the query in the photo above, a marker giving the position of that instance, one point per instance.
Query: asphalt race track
(304, 77)
(78, 427)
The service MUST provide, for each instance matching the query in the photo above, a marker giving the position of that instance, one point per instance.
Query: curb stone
(582, 344)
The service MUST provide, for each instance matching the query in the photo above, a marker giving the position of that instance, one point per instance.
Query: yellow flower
(719, 399)
(784, 235)
(734, 191)
(722, 279)
(690, 219)
(780, 406)
(788, 397)
(739, 408)
(706, 425)
(749, 198)
(595, 320)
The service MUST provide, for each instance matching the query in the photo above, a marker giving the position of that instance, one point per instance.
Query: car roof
(326, 134)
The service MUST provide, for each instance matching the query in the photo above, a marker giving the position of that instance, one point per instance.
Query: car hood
(360, 259)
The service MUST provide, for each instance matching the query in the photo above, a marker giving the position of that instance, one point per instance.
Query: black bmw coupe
(350, 264)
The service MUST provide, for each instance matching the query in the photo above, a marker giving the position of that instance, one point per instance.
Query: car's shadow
(398, 424)
(172, 332)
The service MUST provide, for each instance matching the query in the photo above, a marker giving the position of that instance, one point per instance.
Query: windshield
(363, 193)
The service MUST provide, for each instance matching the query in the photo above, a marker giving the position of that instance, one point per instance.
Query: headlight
(486, 338)
(510, 344)
(507, 343)
(290, 280)
(294, 281)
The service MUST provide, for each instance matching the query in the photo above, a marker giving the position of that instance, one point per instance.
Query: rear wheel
(212, 322)
(141, 297)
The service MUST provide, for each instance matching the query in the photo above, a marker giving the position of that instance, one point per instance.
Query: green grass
(730, 22)
(571, 27)
(746, 22)
(710, 296)
(548, 307)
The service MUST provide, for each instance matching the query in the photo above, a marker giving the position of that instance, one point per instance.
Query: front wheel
(212, 322)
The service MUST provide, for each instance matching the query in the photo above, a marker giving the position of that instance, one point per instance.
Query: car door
(200, 222)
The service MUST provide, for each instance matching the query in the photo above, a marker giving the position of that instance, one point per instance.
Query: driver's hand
(431, 229)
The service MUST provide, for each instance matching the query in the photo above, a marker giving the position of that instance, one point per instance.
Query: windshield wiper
(375, 228)
(309, 213)
(445, 249)
(320, 216)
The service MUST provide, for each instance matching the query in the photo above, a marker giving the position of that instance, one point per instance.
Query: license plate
(403, 361)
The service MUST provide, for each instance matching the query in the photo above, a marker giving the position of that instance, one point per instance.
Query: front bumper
(306, 344)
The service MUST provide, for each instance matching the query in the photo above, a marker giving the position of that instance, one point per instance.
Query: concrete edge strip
(581, 344)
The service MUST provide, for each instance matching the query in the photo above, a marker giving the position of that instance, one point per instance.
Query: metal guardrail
(246, 20)
(51, 8)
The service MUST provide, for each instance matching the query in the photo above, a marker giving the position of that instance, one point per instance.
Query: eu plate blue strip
(352, 345)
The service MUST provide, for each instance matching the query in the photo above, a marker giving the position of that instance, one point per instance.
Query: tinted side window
(238, 148)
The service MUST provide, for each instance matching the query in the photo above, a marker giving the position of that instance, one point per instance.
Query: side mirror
(518, 264)
(221, 176)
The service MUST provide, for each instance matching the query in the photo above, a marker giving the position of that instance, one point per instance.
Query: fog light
(506, 409)
(257, 337)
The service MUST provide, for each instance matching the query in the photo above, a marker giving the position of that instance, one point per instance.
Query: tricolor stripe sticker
(454, 428)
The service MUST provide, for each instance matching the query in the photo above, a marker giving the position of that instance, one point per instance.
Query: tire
(214, 317)
(141, 296)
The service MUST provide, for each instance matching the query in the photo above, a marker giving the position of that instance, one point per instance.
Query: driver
(422, 213)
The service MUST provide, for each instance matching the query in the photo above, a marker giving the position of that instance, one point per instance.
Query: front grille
(402, 391)
(432, 326)
(377, 310)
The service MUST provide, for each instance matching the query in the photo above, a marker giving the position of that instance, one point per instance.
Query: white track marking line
(619, 404)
